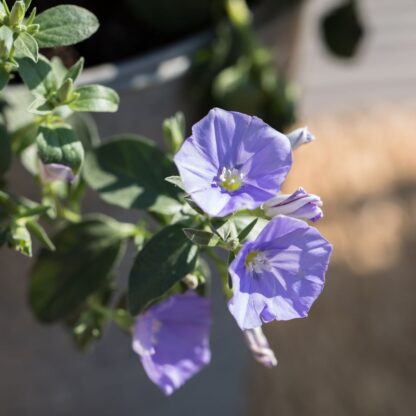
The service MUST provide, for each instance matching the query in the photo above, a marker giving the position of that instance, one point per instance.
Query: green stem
(120, 317)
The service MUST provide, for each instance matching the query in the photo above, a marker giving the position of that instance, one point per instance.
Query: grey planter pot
(42, 374)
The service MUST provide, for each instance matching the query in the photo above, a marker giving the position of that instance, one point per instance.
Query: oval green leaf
(164, 260)
(95, 98)
(85, 255)
(65, 25)
(130, 172)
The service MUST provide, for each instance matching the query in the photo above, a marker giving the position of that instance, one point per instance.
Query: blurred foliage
(237, 72)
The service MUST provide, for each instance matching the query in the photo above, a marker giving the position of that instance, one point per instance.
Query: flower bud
(65, 92)
(299, 137)
(191, 281)
(174, 131)
(33, 29)
(300, 205)
(258, 345)
(17, 14)
(56, 172)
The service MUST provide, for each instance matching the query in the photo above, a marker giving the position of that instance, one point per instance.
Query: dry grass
(355, 355)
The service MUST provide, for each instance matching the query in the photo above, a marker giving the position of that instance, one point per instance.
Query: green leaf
(166, 205)
(75, 70)
(23, 137)
(26, 47)
(247, 230)
(96, 98)
(40, 106)
(38, 76)
(164, 260)
(244, 222)
(38, 231)
(59, 69)
(225, 229)
(85, 129)
(6, 41)
(58, 144)
(85, 255)
(129, 171)
(201, 237)
(64, 25)
(175, 180)
(5, 150)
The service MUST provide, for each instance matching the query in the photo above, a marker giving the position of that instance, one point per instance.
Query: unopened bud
(33, 29)
(191, 281)
(258, 345)
(55, 172)
(299, 137)
(65, 92)
(300, 205)
(238, 12)
(17, 13)
(174, 131)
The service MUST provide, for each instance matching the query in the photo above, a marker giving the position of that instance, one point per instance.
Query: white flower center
(257, 262)
(231, 179)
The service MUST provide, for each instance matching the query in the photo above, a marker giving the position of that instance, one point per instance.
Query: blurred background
(347, 69)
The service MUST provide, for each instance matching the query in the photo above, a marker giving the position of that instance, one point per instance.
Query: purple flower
(299, 137)
(280, 274)
(300, 205)
(257, 342)
(233, 161)
(56, 172)
(172, 339)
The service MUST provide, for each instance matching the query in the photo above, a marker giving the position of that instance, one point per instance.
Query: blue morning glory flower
(233, 161)
(172, 339)
(280, 274)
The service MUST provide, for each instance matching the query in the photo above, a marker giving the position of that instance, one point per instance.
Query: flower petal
(172, 340)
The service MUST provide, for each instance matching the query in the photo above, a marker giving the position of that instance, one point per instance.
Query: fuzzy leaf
(95, 98)
(64, 25)
(129, 171)
(26, 47)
